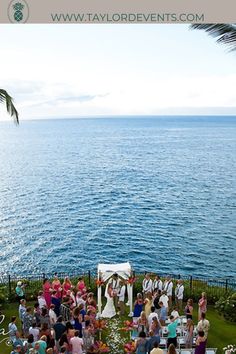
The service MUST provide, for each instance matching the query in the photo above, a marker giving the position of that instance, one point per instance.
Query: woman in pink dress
(56, 285)
(66, 286)
(47, 291)
(202, 306)
(81, 286)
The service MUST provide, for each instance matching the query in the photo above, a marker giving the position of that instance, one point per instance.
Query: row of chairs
(191, 351)
(181, 331)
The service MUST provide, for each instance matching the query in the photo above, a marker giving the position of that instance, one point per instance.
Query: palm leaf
(225, 33)
(5, 97)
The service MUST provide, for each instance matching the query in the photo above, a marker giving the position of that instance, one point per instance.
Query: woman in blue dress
(141, 343)
(138, 305)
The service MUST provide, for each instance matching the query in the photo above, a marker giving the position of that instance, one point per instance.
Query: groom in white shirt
(121, 297)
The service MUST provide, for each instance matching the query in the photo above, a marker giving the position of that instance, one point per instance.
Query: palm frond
(7, 99)
(225, 33)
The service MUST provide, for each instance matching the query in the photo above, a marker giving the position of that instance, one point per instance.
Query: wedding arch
(106, 271)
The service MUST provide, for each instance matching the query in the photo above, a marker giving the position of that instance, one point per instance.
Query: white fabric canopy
(123, 270)
(105, 271)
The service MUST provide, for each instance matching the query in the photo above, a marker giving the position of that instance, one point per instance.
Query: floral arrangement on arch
(99, 282)
(230, 349)
(131, 280)
(130, 347)
(98, 347)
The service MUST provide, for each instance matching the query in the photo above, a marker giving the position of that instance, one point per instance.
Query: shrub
(227, 307)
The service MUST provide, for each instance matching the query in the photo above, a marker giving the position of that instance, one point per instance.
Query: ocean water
(159, 192)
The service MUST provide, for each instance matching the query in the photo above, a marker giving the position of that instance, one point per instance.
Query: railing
(193, 285)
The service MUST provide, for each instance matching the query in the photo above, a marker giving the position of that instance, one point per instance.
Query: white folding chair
(163, 343)
(186, 351)
(179, 332)
(211, 350)
(164, 332)
(181, 342)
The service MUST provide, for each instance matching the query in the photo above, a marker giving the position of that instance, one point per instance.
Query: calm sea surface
(159, 192)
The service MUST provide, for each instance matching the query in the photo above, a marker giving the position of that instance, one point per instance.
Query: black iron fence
(193, 285)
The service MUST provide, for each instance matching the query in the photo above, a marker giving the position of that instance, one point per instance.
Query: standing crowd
(157, 314)
(63, 320)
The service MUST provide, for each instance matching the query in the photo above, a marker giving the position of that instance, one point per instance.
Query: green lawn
(221, 332)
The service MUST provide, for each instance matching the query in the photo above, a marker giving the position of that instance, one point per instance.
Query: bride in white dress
(109, 310)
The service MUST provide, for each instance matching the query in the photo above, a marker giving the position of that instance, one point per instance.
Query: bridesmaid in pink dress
(66, 286)
(56, 285)
(202, 306)
(47, 291)
(81, 286)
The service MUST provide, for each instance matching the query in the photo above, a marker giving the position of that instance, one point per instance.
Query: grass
(221, 333)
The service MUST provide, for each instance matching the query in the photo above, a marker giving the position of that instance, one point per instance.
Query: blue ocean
(159, 192)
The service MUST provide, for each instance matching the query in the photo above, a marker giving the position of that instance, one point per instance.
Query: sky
(56, 71)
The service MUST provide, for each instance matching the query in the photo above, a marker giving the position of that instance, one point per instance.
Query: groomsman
(147, 284)
(157, 283)
(168, 287)
(179, 294)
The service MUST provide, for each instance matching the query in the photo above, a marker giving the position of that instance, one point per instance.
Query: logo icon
(18, 11)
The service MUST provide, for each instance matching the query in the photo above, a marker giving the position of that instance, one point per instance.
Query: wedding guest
(47, 287)
(141, 343)
(202, 305)
(179, 294)
(168, 287)
(22, 310)
(59, 329)
(138, 305)
(17, 350)
(29, 344)
(200, 343)
(148, 304)
(157, 284)
(172, 335)
(203, 325)
(18, 341)
(88, 338)
(77, 343)
(156, 349)
(41, 300)
(121, 298)
(163, 314)
(27, 321)
(37, 314)
(156, 300)
(52, 315)
(71, 296)
(65, 309)
(151, 316)
(56, 302)
(78, 320)
(189, 309)
(79, 299)
(64, 342)
(155, 327)
(41, 345)
(171, 349)
(142, 323)
(19, 291)
(56, 285)
(152, 340)
(44, 318)
(147, 284)
(66, 285)
(175, 312)
(34, 330)
(189, 334)
(165, 300)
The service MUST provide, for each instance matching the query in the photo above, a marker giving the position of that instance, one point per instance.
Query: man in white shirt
(164, 299)
(151, 316)
(52, 315)
(121, 298)
(147, 284)
(168, 287)
(157, 283)
(179, 294)
(35, 331)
